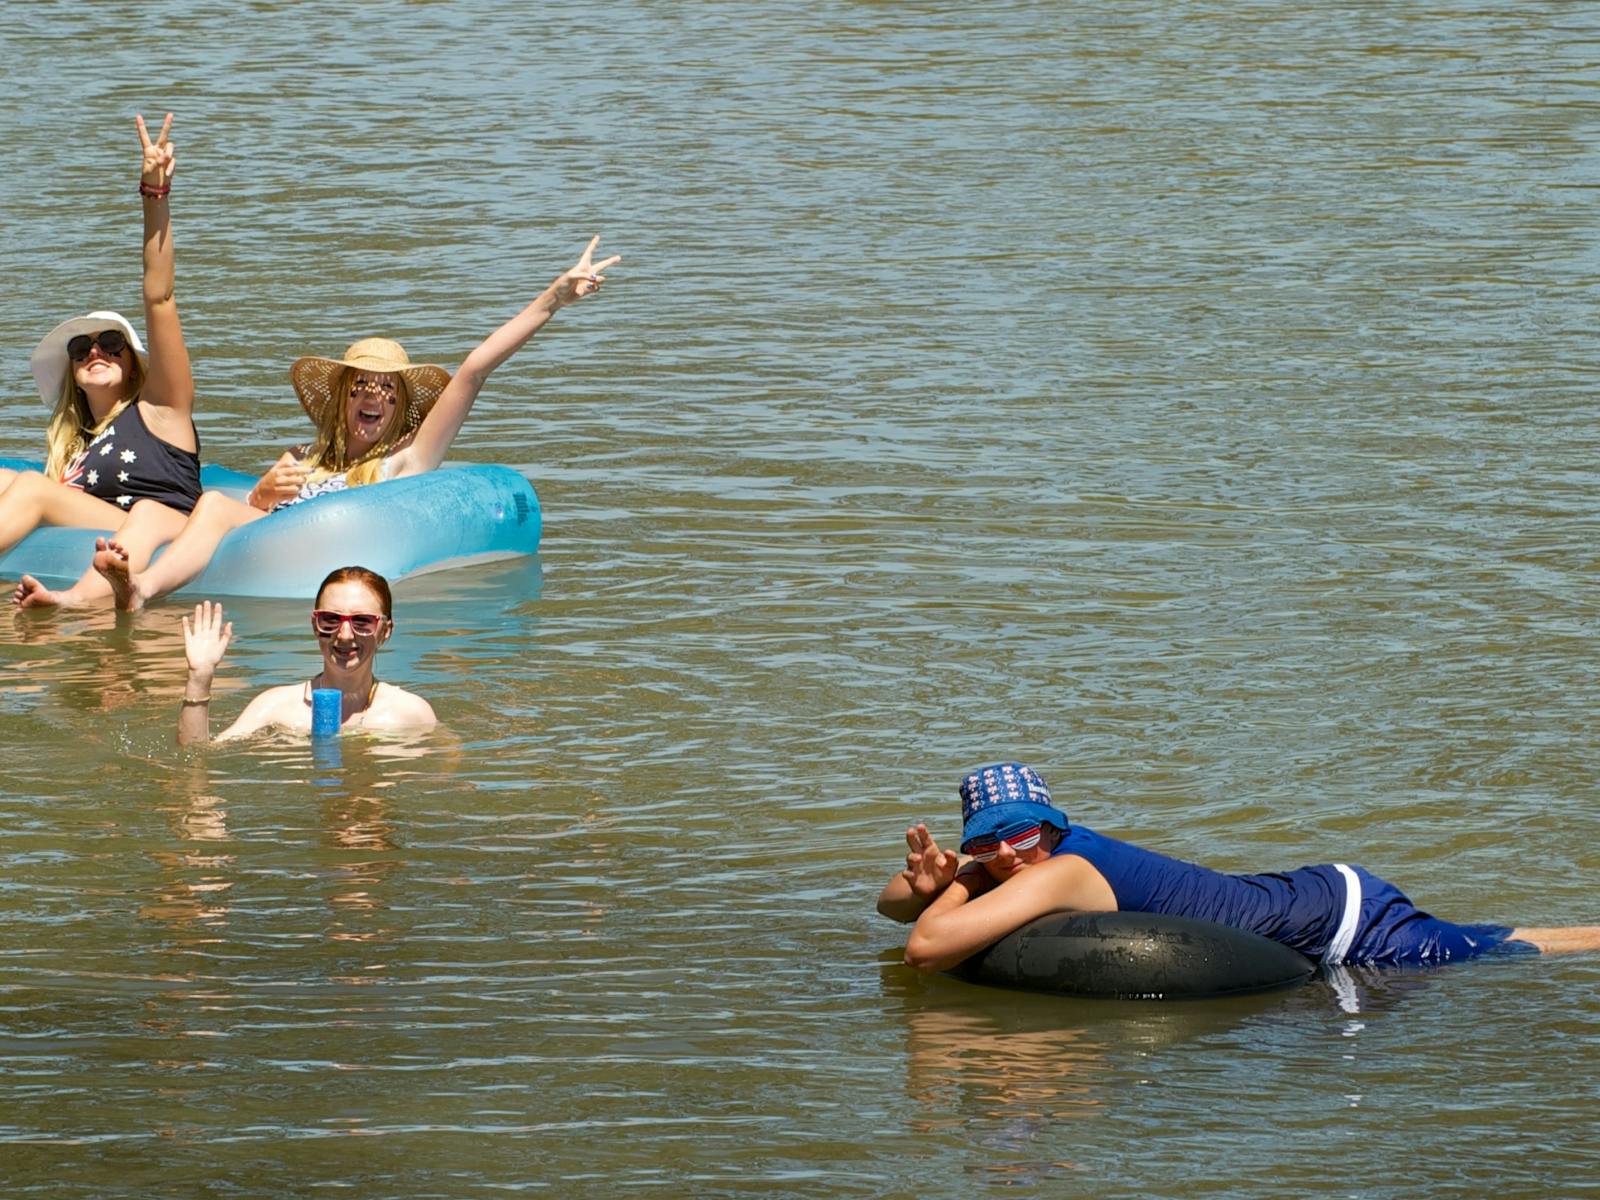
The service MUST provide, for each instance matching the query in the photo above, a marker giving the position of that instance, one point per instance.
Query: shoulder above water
(395, 708)
(287, 707)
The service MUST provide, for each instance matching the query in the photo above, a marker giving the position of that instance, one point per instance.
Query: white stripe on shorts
(1345, 935)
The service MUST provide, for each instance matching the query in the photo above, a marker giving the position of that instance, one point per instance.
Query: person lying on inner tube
(1021, 859)
(378, 415)
(352, 618)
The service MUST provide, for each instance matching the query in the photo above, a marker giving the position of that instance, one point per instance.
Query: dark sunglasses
(112, 342)
(327, 623)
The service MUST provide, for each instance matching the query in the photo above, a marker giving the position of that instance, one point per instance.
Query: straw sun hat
(315, 378)
(49, 358)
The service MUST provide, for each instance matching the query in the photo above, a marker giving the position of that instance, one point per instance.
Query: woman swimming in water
(378, 416)
(352, 618)
(120, 432)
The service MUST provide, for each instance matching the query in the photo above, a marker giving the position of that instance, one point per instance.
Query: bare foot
(111, 560)
(1563, 939)
(31, 593)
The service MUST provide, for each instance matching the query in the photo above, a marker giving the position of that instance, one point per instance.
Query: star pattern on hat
(1004, 783)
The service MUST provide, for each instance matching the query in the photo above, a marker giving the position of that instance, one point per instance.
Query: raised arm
(168, 383)
(204, 644)
(443, 422)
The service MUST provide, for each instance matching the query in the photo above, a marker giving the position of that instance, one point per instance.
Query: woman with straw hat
(378, 416)
(121, 431)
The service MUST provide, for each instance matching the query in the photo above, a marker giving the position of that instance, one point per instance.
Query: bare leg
(149, 525)
(1562, 939)
(186, 557)
(32, 501)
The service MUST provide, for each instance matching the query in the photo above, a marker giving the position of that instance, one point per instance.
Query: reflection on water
(90, 662)
(1028, 1079)
(1022, 1090)
(355, 828)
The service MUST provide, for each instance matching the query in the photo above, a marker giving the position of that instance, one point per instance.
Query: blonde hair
(72, 426)
(329, 454)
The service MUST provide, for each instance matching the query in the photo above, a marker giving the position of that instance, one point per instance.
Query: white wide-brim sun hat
(49, 358)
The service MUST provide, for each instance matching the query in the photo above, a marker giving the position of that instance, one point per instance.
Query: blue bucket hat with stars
(1002, 798)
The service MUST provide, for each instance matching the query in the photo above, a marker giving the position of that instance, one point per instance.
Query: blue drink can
(327, 712)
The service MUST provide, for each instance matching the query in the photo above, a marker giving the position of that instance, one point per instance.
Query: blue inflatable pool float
(447, 518)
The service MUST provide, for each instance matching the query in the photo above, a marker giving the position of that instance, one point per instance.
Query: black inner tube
(1135, 956)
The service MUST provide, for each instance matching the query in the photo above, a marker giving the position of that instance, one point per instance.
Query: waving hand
(929, 869)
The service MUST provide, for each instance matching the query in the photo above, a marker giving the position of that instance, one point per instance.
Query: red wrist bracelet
(146, 190)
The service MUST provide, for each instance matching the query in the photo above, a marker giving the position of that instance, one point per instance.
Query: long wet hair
(378, 584)
(329, 454)
(72, 426)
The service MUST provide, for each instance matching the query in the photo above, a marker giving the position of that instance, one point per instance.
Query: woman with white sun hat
(121, 428)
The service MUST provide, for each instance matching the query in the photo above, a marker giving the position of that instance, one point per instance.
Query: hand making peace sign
(585, 278)
(160, 156)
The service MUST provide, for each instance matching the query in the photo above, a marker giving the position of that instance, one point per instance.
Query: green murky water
(1192, 400)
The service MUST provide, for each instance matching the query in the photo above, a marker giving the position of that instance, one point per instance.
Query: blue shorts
(1392, 930)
